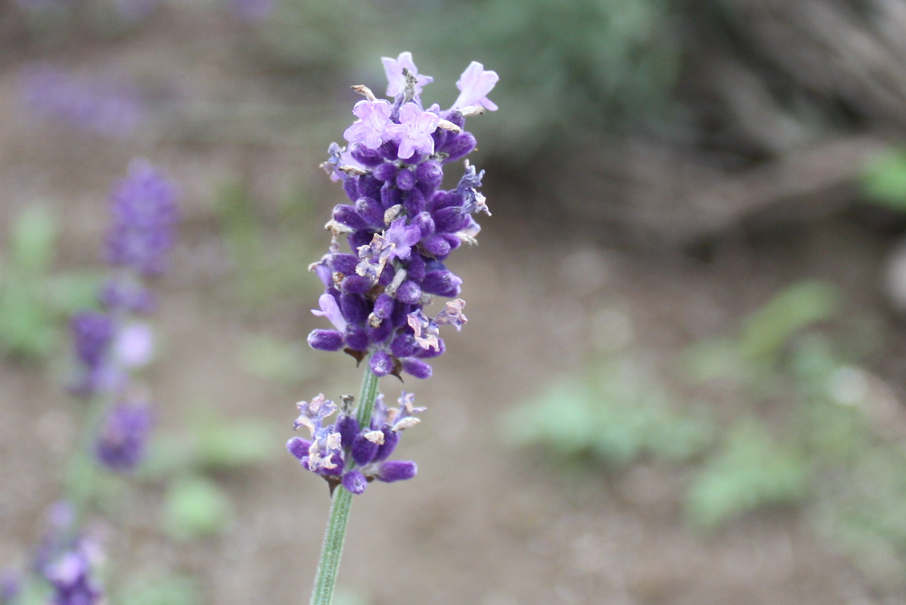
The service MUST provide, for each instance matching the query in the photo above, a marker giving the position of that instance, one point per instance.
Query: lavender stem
(335, 535)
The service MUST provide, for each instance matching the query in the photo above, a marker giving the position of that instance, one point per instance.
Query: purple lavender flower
(10, 587)
(399, 224)
(93, 335)
(105, 106)
(71, 576)
(122, 441)
(144, 211)
(346, 454)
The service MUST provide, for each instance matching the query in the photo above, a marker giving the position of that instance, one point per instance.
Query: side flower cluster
(68, 564)
(112, 342)
(350, 455)
(400, 226)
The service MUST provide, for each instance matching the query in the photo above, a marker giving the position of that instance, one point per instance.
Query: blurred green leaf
(32, 302)
(619, 413)
(713, 358)
(795, 308)
(751, 471)
(156, 590)
(33, 240)
(884, 179)
(236, 444)
(271, 359)
(196, 507)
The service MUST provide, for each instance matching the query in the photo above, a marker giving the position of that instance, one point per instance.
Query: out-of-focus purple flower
(71, 575)
(475, 83)
(105, 106)
(414, 131)
(373, 119)
(128, 295)
(122, 440)
(346, 454)
(92, 333)
(253, 11)
(135, 10)
(396, 81)
(144, 215)
(10, 587)
(134, 346)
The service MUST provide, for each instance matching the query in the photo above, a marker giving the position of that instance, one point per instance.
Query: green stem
(332, 550)
(80, 483)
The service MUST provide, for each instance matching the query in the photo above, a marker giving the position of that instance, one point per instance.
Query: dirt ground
(481, 523)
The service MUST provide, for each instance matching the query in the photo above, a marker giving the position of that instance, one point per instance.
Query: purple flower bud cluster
(109, 343)
(350, 455)
(144, 213)
(400, 226)
(71, 576)
(122, 440)
(67, 563)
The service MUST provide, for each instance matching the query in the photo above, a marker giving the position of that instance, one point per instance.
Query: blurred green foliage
(33, 300)
(195, 507)
(160, 590)
(616, 413)
(884, 179)
(266, 357)
(809, 427)
(566, 68)
(750, 471)
(195, 504)
(269, 252)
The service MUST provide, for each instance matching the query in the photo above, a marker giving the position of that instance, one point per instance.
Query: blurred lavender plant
(103, 106)
(64, 567)
(400, 228)
(108, 345)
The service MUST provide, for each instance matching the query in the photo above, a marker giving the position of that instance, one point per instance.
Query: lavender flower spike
(144, 211)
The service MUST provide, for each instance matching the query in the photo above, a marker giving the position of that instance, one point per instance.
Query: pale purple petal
(134, 346)
(331, 310)
(474, 84)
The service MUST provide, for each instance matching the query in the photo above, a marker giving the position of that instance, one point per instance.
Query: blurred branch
(654, 191)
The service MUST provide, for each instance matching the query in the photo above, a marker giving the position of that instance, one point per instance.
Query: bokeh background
(682, 380)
